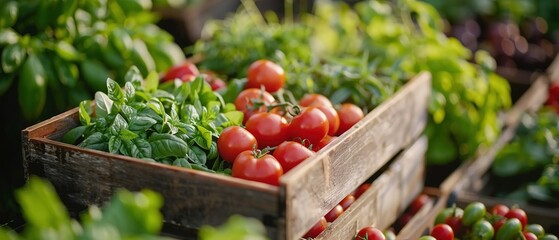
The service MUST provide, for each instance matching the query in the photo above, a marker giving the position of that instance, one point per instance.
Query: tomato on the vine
(369, 233)
(289, 154)
(334, 213)
(347, 201)
(234, 140)
(247, 98)
(314, 100)
(310, 124)
(265, 73)
(349, 115)
(361, 189)
(518, 214)
(455, 222)
(186, 72)
(418, 203)
(265, 168)
(325, 141)
(269, 129)
(333, 119)
(499, 209)
(442, 232)
(317, 229)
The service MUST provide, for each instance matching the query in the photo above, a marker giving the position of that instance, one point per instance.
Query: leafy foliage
(176, 126)
(236, 228)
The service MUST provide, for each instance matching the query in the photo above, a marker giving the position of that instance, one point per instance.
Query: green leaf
(6, 81)
(127, 134)
(133, 75)
(203, 138)
(95, 141)
(118, 125)
(32, 88)
(167, 145)
(85, 112)
(67, 72)
(129, 92)
(12, 57)
(234, 117)
(66, 51)
(8, 36)
(341, 95)
(103, 103)
(197, 155)
(115, 143)
(182, 162)
(142, 58)
(72, 136)
(236, 227)
(114, 91)
(8, 14)
(141, 123)
(95, 74)
(152, 81)
(121, 41)
(128, 112)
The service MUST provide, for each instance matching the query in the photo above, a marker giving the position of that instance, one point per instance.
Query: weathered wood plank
(386, 199)
(311, 189)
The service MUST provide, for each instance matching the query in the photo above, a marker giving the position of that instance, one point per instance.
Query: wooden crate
(194, 198)
(423, 221)
(471, 170)
(386, 199)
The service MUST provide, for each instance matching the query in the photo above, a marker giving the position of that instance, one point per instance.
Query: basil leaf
(204, 137)
(129, 92)
(133, 76)
(182, 162)
(166, 145)
(127, 134)
(128, 112)
(66, 51)
(32, 86)
(151, 82)
(8, 36)
(95, 141)
(114, 91)
(85, 111)
(72, 136)
(118, 125)
(103, 104)
(141, 123)
(114, 144)
(12, 57)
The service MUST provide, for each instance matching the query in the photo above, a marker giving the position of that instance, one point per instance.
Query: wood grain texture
(311, 189)
(385, 200)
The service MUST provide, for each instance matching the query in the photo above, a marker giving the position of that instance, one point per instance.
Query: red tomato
(265, 169)
(418, 203)
(269, 129)
(499, 209)
(442, 232)
(455, 222)
(370, 233)
(347, 201)
(518, 214)
(349, 115)
(317, 229)
(186, 72)
(314, 100)
(334, 213)
(265, 73)
(289, 154)
(311, 124)
(361, 189)
(215, 82)
(246, 99)
(333, 119)
(530, 236)
(498, 224)
(234, 140)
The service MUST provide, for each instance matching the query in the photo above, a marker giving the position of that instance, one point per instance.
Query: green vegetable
(126, 216)
(236, 228)
(511, 229)
(536, 229)
(482, 230)
(548, 237)
(178, 126)
(32, 87)
(474, 212)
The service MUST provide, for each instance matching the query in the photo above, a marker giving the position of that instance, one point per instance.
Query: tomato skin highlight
(269, 129)
(311, 124)
(289, 154)
(315, 100)
(334, 213)
(347, 201)
(499, 209)
(244, 101)
(333, 119)
(186, 72)
(265, 169)
(234, 140)
(518, 214)
(442, 232)
(317, 229)
(349, 115)
(370, 233)
(265, 73)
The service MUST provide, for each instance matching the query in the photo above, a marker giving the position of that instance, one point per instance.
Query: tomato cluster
(285, 134)
(414, 207)
(475, 222)
(188, 71)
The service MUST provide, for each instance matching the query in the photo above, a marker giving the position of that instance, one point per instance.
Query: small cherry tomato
(265, 73)
(334, 213)
(549, 237)
(311, 124)
(215, 82)
(234, 140)
(518, 214)
(265, 169)
(347, 201)
(442, 232)
(369, 233)
(314, 100)
(317, 229)
(455, 223)
(473, 213)
(535, 229)
(325, 141)
(447, 212)
(499, 209)
(186, 72)
(482, 230)
(349, 115)
(529, 236)
(333, 119)
(361, 189)
(289, 154)
(248, 97)
(498, 224)
(511, 229)
(418, 203)
(269, 129)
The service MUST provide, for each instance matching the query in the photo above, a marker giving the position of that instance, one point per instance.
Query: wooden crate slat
(385, 200)
(314, 187)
